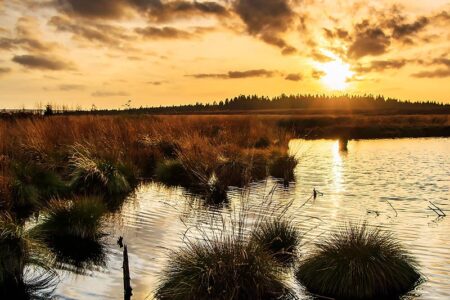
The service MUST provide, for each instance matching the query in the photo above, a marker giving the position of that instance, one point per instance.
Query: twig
(396, 213)
(437, 210)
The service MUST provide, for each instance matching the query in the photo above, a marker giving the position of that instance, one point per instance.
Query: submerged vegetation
(359, 263)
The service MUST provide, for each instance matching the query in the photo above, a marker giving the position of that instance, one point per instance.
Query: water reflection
(406, 172)
(78, 256)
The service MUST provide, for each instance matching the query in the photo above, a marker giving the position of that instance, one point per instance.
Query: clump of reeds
(97, 176)
(283, 166)
(168, 148)
(18, 250)
(280, 238)
(222, 269)
(81, 218)
(33, 185)
(172, 172)
(263, 142)
(359, 263)
(13, 251)
(231, 261)
(72, 230)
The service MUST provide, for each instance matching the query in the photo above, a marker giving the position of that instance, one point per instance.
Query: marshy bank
(154, 219)
(154, 216)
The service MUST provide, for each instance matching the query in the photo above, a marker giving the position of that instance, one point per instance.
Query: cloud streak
(236, 74)
(42, 62)
(110, 94)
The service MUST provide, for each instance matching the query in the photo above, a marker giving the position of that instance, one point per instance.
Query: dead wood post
(127, 290)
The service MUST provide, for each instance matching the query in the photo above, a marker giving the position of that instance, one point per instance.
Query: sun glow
(336, 75)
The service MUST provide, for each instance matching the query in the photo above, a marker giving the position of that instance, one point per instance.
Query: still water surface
(358, 186)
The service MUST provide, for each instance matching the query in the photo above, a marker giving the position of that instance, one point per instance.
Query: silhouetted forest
(308, 103)
(283, 104)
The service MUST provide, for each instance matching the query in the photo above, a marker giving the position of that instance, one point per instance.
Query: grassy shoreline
(77, 170)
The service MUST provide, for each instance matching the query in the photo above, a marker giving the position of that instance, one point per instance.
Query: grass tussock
(72, 230)
(359, 263)
(282, 166)
(33, 185)
(81, 218)
(232, 260)
(172, 172)
(96, 176)
(280, 238)
(225, 269)
(20, 250)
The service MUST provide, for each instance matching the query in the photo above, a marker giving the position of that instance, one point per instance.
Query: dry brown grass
(236, 149)
(223, 146)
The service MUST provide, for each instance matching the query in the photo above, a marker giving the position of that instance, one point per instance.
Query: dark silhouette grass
(359, 263)
(280, 238)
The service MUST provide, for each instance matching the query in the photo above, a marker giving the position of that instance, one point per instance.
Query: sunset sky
(155, 52)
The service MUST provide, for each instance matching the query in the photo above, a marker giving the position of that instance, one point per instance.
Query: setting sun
(337, 74)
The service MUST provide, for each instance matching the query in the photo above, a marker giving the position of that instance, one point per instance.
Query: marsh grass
(282, 166)
(263, 142)
(33, 185)
(80, 218)
(172, 172)
(25, 271)
(226, 262)
(359, 263)
(280, 238)
(96, 176)
(72, 230)
(222, 269)
(105, 155)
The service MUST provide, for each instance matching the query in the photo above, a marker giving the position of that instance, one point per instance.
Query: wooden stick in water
(127, 290)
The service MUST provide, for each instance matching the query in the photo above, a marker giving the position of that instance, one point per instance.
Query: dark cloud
(267, 19)
(156, 82)
(71, 87)
(442, 72)
(167, 11)
(317, 74)
(33, 45)
(238, 74)
(443, 16)
(402, 30)
(93, 8)
(442, 61)
(42, 62)
(337, 33)
(381, 65)
(369, 40)
(110, 94)
(27, 38)
(439, 73)
(91, 31)
(294, 77)
(155, 10)
(4, 71)
(152, 32)
(317, 56)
